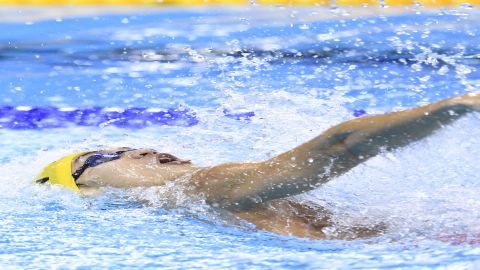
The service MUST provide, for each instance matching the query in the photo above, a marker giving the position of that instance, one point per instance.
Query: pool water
(257, 81)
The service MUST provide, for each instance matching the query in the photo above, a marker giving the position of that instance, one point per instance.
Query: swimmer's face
(134, 167)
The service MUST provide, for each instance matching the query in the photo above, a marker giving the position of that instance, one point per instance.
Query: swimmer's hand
(470, 101)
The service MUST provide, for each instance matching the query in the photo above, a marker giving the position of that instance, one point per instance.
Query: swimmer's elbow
(351, 140)
(361, 145)
(341, 141)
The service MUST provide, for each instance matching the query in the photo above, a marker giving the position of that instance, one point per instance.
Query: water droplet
(417, 67)
(304, 27)
(443, 70)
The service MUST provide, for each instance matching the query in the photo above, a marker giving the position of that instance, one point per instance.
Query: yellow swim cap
(59, 173)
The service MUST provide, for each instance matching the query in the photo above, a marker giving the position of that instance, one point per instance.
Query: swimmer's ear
(168, 158)
(42, 180)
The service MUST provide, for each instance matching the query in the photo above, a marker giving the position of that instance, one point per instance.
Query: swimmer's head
(59, 173)
(116, 167)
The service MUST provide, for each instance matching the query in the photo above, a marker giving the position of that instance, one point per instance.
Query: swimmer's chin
(90, 191)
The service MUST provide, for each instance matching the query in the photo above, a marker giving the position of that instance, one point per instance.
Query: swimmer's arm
(365, 137)
(334, 152)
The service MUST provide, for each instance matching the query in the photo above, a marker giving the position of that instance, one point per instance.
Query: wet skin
(259, 191)
(135, 168)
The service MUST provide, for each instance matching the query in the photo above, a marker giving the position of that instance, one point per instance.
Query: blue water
(294, 75)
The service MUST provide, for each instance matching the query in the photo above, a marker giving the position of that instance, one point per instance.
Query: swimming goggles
(97, 159)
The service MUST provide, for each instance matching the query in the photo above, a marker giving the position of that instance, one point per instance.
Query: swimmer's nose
(168, 158)
(140, 153)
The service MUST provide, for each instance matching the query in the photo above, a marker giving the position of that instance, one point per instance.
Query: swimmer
(260, 192)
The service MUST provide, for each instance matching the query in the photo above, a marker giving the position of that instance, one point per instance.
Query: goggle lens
(97, 159)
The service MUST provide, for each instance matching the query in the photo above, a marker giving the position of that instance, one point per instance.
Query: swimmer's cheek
(85, 183)
(95, 182)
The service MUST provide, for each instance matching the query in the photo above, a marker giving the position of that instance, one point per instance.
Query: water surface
(293, 78)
